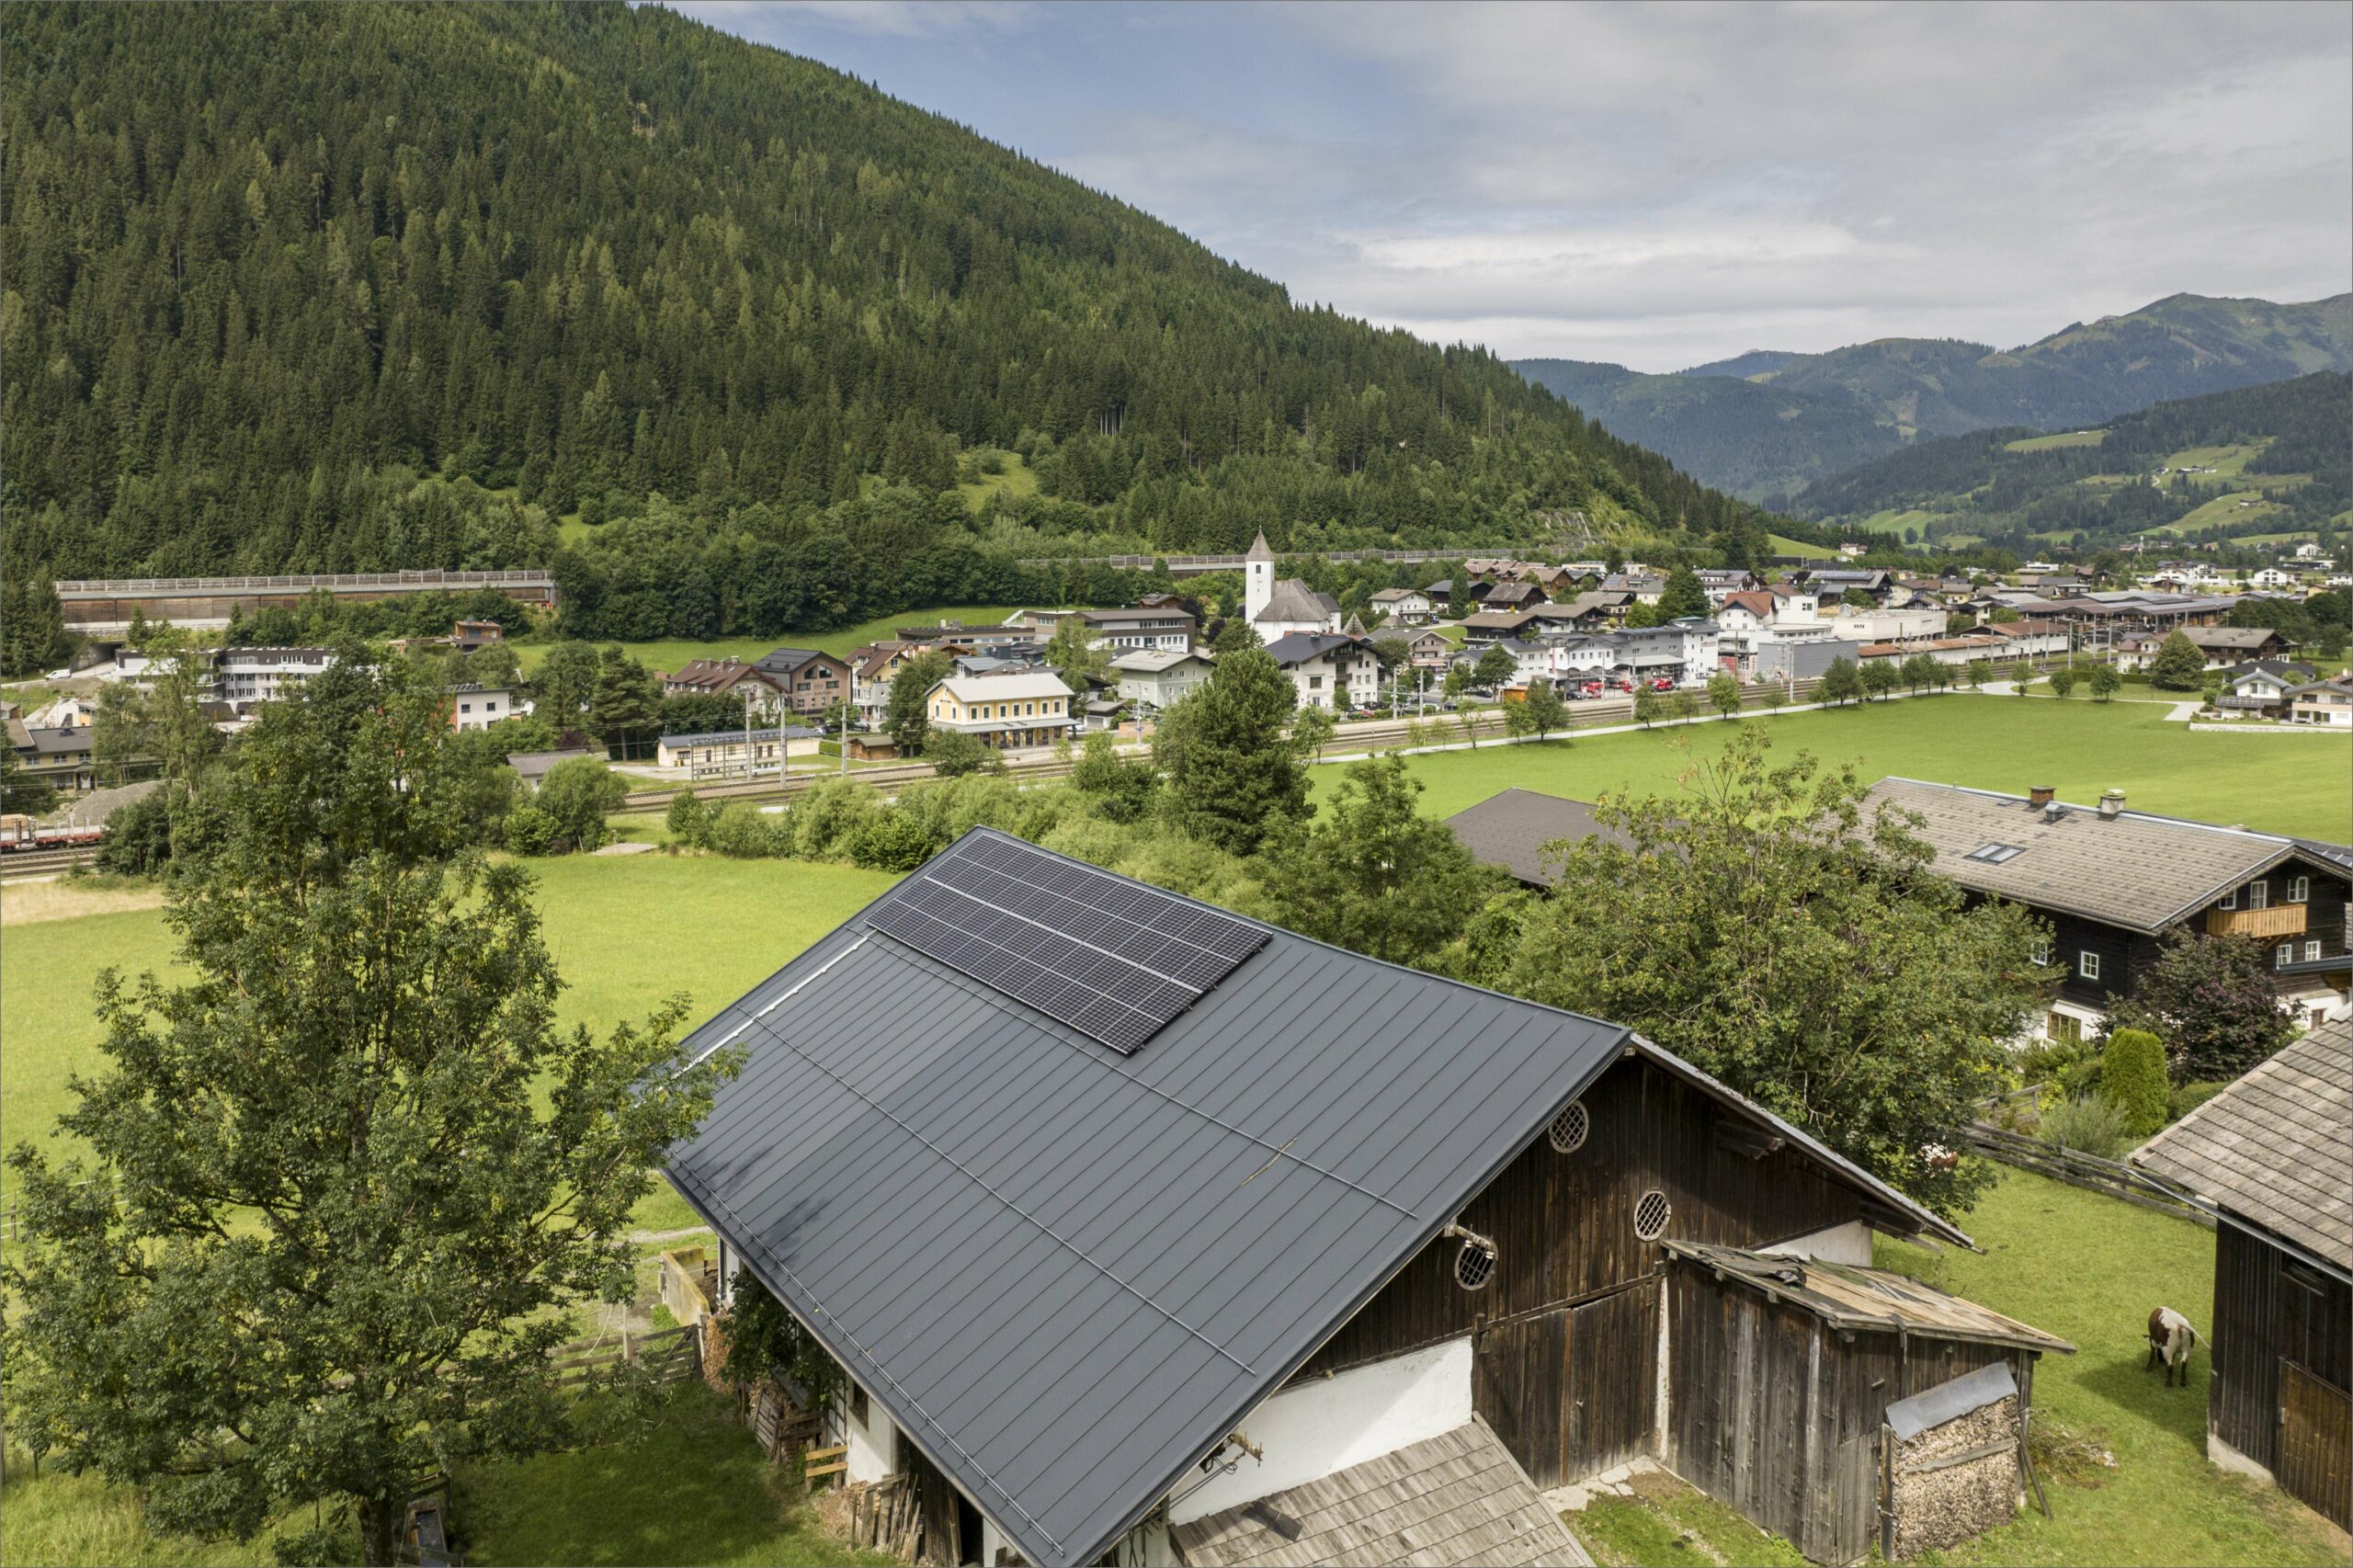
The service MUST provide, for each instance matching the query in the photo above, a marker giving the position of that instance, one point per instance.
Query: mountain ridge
(2181, 346)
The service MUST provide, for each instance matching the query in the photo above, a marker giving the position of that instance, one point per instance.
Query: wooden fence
(2089, 1171)
(671, 1355)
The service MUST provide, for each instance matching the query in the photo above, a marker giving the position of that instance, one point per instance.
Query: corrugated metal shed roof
(1067, 1273)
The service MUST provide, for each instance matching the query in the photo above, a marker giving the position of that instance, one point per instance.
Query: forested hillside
(2256, 461)
(2184, 346)
(1752, 439)
(338, 286)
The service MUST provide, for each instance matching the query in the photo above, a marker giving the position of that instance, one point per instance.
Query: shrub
(529, 831)
(2081, 1077)
(689, 820)
(2133, 1077)
(828, 818)
(2089, 1124)
(2187, 1097)
(138, 841)
(891, 841)
(576, 796)
(741, 831)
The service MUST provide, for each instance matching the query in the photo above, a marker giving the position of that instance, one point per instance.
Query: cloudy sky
(1663, 185)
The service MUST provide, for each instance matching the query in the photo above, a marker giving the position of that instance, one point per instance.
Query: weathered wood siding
(1566, 1333)
(2268, 1308)
(1777, 1414)
(1564, 1223)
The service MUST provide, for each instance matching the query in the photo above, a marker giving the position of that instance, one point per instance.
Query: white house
(2327, 702)
(1156, 678)
(1278, 608)
(473, 707)
(243, 676)
(1329, 670)
(1409, 605)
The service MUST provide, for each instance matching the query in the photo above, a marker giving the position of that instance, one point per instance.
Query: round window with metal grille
(1569, 1127)
(1651, 1214)
(1473, 1267)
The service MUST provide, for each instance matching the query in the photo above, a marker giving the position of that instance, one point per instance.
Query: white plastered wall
(1327, 1426)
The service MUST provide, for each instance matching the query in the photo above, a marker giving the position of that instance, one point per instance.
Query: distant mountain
(1799, 417)
(1754, 364)
(2185, 345)
(2251, 462)
(1752, 439)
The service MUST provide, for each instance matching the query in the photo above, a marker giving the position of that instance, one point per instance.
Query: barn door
(2315, 1457)
(1572, 1391)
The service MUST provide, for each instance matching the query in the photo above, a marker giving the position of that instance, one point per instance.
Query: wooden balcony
(2280, 920)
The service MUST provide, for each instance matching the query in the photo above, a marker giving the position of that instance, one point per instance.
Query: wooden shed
(1781, 1370)
(2271, 1155)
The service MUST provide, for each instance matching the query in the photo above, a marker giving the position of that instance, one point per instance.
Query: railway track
(19, 864)
(1371, 734)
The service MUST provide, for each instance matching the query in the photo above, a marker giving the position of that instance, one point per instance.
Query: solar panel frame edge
(1188, 940)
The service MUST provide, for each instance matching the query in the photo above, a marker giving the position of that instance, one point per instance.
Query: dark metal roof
(1068, 1274)
(1512, 828)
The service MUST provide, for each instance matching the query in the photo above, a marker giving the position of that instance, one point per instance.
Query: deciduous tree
(348, 1169)
(2178, 666)
(2213, 1002)
(1765, 923)
(1374, 874)
(907, 714)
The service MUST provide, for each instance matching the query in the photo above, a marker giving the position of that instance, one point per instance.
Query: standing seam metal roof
(1067, 1273)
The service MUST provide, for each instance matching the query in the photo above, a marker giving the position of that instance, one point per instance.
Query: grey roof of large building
(1068, 1273)
(2135, 869)
(1292, 600)
(1511, 829)
(2274, 1148)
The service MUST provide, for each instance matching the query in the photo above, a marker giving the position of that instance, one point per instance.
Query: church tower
(1258, 578)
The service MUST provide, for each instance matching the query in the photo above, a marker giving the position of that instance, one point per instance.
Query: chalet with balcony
(2113, 883)
(1409, 607)
(806, 681)
(1329, 670)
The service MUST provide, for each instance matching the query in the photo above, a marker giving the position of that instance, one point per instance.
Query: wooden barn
(1148, 1234)
(1781, 1372)
(2272, 1154)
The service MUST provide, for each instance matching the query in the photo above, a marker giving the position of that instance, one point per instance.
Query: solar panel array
(1111, 957)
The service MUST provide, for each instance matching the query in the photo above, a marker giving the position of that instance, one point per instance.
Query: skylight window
(1994, 854)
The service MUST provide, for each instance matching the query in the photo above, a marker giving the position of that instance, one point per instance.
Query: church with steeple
(1277, 607)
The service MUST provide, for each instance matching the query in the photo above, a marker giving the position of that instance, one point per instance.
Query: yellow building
(1004, 710)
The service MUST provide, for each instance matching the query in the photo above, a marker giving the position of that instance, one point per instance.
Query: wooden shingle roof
(1849, 1297)
(2274, 1147)
(1458, 1497)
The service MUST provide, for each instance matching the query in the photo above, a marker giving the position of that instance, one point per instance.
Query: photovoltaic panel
(1112, 959)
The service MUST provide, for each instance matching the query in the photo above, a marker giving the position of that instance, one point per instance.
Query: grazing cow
(2170, 1337)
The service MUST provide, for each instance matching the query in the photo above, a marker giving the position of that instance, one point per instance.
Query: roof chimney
(2111, 803)
(2040, 796)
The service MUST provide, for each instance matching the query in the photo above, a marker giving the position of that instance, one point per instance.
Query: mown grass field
(1798, 547)
(625, 932)
(2051, 443)
(2303, 787)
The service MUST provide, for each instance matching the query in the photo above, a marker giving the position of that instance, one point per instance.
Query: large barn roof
(1068, 1269)
(2274, 1148)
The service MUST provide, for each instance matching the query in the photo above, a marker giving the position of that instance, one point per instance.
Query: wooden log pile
(1953, 1481)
